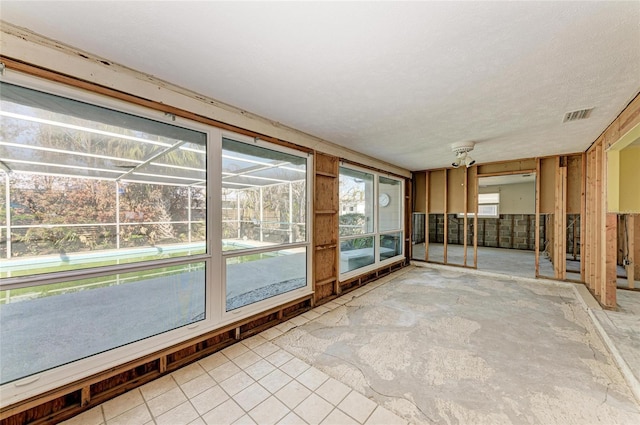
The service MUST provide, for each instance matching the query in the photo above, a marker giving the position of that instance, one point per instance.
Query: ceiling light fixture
(462, 149)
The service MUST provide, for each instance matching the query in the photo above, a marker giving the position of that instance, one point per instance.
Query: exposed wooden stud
(592, 224)
(408, 219)
(635, 260)
(583, 215)
(325, 265)
(237, 333)
(446, 218)
(426, 217)
(609, 287)
(466, 204)
(631, 236)
(574, 239)
(599, 227)
(85, 395)
(562, 225)
(559, 221)
(162, 364)
(507, 173)
(537, 231)
(475, 224)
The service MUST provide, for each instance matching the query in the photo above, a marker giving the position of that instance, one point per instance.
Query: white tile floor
(251, 382)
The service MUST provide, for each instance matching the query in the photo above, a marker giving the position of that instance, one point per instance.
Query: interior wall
(574, 184)
(517, 198)
(23, 52)
(455, 190)
(600, 224)
(554, 201)
(436, 192)
(419, 192)
(630, 180)
(547, 178)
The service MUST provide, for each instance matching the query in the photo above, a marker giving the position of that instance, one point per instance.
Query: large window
(371, 219)
(114, 194)
(264, 222)
(112, 243)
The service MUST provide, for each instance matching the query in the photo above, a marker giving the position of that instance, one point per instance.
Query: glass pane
(390, 245)
(356, 202)
(47, 326)
(90, 186)
(390, 202)
(264, 196)
(356, 253)
(256, 277)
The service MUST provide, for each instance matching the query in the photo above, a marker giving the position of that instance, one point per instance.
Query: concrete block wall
(516, 231)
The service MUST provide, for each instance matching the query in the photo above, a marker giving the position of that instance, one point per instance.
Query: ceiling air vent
(577, 115)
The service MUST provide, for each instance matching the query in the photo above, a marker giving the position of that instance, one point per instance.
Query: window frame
(215, 317)
(486, 203)
(267, 303)
(376, 234)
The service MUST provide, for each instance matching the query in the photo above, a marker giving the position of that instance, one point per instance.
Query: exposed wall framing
(64, 402)
(600, 227)
(559, 192)
(325, 238)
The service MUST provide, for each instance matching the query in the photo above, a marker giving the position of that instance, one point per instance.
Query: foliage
(352, 224)
(357, 243)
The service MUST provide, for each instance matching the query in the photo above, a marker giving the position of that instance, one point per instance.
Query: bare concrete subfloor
(445, 346)
(622, 328)
(511, 262)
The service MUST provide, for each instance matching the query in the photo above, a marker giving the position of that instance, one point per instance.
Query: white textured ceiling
(398, 81)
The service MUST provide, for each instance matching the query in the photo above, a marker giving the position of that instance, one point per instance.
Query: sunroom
(125, 230)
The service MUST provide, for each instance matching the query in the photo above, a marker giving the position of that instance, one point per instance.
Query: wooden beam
(446, 218)
(583, 215)
(590, 223)
(611, 275)
(560, 221)
(426, 218)
(162, 364)
(636, 247)
(630, 229)
(537, 226)
(85, 395)
(599, 235)
(408, 219)
(466, 204)
(507, 173)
